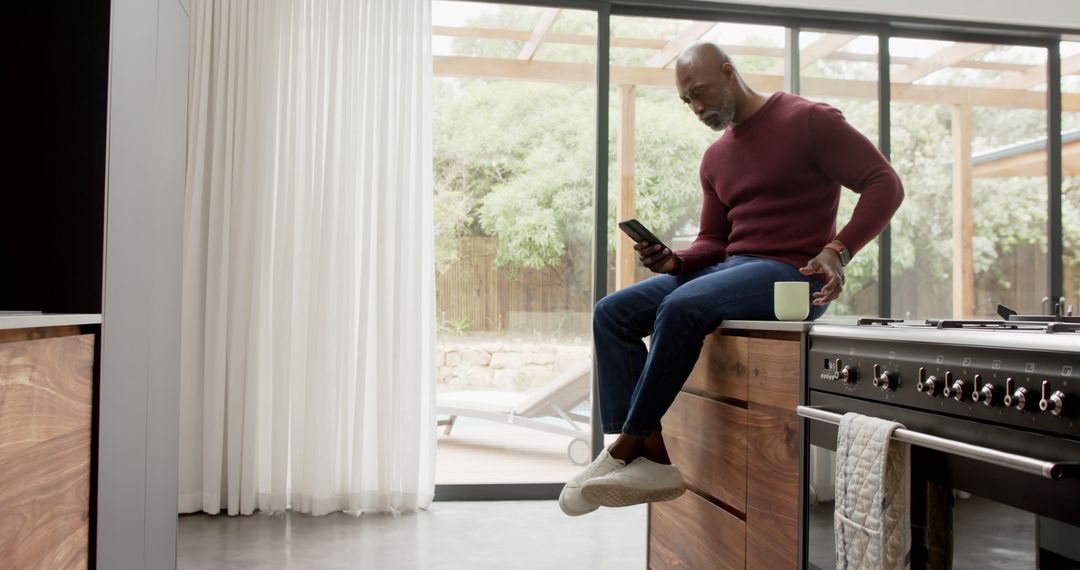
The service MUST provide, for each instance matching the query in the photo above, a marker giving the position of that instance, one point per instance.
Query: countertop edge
(782, 326)
(8, 322)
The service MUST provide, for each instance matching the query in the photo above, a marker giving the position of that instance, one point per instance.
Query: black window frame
(883, 26)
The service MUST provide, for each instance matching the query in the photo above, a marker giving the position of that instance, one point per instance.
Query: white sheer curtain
(308, 310)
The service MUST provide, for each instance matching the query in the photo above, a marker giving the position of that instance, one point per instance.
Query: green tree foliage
(515, 159)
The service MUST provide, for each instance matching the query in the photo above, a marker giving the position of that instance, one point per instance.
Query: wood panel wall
(46, 392)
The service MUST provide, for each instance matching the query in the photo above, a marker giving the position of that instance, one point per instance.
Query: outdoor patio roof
(1017, 89)
(1027, 159)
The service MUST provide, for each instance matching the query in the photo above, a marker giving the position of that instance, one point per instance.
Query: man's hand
(826, 263)
(657, 258)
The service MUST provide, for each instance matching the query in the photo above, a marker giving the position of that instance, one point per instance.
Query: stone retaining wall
(509, 365)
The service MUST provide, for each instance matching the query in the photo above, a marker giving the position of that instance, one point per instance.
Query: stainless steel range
(992, 410)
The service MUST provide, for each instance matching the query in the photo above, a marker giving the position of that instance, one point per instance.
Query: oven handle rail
(1048, 469)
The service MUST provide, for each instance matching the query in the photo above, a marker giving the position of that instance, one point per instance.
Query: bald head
(703, 55)
(708, 84)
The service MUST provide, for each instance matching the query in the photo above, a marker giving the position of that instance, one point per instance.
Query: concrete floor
(519, 535)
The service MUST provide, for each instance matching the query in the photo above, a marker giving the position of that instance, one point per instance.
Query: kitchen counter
(29, 320)
(785, 326)
(734, 434)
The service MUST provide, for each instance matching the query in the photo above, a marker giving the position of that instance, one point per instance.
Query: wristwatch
(841, 250)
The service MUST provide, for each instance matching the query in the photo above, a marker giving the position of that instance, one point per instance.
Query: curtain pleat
(308, 296)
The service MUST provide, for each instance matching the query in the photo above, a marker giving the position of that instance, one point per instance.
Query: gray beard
(723, 120)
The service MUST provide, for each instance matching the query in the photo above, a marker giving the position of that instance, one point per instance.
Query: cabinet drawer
(691, 532)
(722, 367)
(706, 440)
(774, 373)
(46, 394)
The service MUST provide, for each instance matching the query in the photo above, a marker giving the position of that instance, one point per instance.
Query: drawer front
(772, 482)
(706, 440)
(772, 490)
(721, 369)
(46, 393)
(691, 532)
(774, 373)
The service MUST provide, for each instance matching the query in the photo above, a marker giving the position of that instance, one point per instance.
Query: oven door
(965, 513)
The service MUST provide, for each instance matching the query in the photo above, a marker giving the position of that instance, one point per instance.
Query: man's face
(709, 96)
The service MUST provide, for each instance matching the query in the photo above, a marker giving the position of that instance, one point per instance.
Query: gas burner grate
(1010, 325)
(868, 322)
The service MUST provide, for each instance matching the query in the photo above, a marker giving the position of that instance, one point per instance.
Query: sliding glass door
(969, 141)
(658, 142)
(514, 147)
(841, 69)
(526, 212)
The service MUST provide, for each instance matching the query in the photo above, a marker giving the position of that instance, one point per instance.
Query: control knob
(988, 394)
(1016, 398)
(848, 374)
(1053, 403)
(957, 390)
(884, 379)
(929, 386)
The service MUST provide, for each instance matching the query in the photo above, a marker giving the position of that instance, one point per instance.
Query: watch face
(845, 256)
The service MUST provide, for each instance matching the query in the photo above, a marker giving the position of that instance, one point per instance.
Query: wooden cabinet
(707, 440)
(734, 434)
(691, 532)
(46, 398)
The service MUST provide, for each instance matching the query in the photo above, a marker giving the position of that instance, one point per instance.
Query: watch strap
(841, 251)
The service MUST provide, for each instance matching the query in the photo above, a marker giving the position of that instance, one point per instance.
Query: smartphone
(640, 233)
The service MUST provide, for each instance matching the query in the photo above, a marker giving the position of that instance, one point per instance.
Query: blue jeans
(637, 386)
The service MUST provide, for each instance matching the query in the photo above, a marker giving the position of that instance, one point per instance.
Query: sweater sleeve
(710, 246)
(843, 154)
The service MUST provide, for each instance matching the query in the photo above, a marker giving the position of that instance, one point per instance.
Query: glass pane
(969, 142)
(1070, 198)
(514, 148)
(841, 70)
(656, 141)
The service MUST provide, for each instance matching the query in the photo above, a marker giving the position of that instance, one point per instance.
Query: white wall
(137, 455)
(1059, 14)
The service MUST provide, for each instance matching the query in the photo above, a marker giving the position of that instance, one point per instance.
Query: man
(771, 188)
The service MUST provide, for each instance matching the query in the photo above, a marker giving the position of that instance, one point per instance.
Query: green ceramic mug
(791, 300)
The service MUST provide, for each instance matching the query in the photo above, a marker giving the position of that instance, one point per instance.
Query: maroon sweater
(772, 186)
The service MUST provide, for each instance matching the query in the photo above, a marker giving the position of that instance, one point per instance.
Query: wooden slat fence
(473, 289)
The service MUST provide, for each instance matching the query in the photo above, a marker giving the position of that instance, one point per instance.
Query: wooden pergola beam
(550, 71)
(1036, 75)
(552, 37)
(824, 47)
(940, 59)
(963, 262)
(821, 48)
(625, 256)
(690, 34)
(657, 44)
(543, 26)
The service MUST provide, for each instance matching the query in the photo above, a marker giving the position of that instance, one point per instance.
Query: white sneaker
(570, 500)
(640, 481)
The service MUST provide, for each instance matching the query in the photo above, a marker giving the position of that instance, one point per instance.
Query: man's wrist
(840, 250)
(678, 264)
